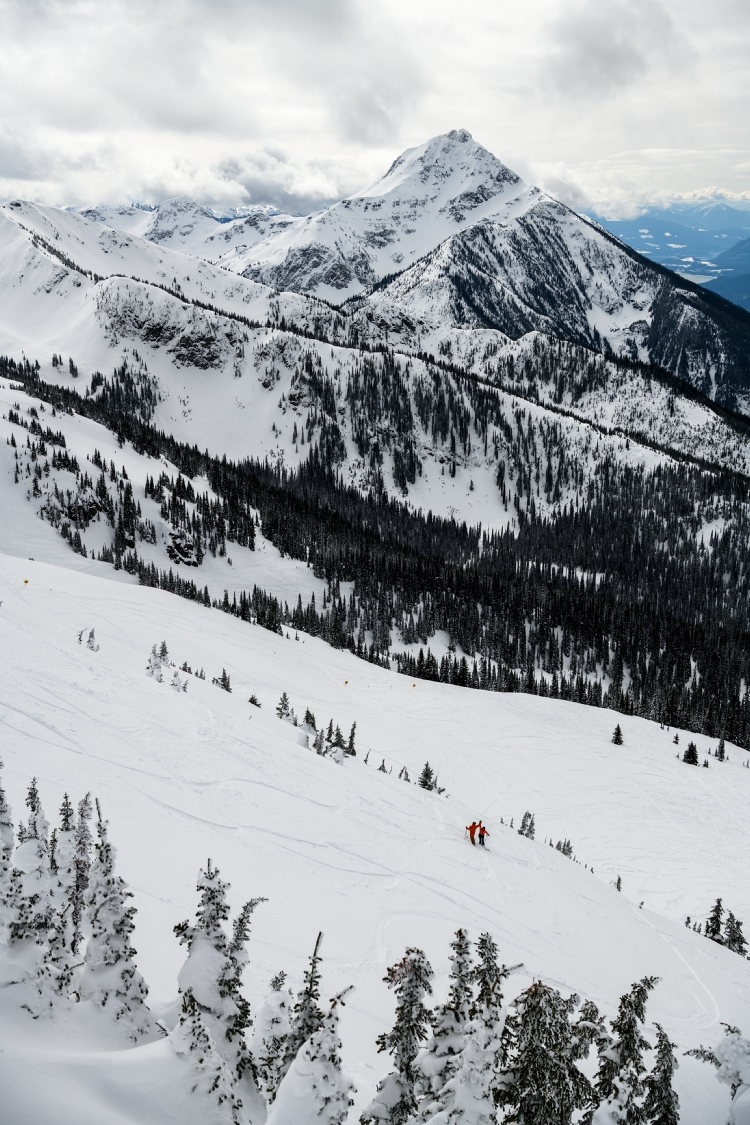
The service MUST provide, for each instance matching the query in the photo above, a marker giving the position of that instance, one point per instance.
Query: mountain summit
(428, 194)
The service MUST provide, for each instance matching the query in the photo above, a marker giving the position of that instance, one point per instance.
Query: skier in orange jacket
(482, 833)
(471, 829)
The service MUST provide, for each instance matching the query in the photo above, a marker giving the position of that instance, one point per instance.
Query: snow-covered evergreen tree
(733, 937)
(471, 1093)
(30, 880)
(271, 1030)
(713, 922)
(662, 1106)
(81, 864)
(110, 978)
(211, 1076)
(212, 972)
(619, 1079)
(315, 1091)
(733, 1058)
(540, 1082)
(395, 1100)
(439, 1061)
(283, 709)
(6, 853)
(154, 666)
(63, 867)
(306, 1015)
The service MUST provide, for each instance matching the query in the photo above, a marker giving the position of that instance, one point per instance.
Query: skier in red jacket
(482, 833)
(471, 829)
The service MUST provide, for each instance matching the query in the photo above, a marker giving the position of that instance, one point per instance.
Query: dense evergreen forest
(615, 598)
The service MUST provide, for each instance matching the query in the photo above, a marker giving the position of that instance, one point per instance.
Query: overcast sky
(606, 103)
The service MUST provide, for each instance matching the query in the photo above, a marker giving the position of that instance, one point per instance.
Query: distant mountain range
(691, 239)
(450, 239)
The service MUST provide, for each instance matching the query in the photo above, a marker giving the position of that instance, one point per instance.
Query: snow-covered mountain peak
(430, 192)
(452, 163)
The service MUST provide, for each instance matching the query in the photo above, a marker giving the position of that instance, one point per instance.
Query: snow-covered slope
(187, 226)
(232, 388)
(375, 863)
(428, 193)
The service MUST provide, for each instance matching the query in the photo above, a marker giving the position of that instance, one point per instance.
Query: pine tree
(734, 938)
(350, 744)
(309, 720)
(721, 750)
(395, 1100)
(211, 1076)
(473, 1089)
(713, 923)
(662, 1105)
(30, 880)
(6, 853)
(314, 1091)
(283, 710)
(439, 1061)
(213, 970)
(691, 755)
(154, 666)
(617, 736)
(81, 865)
(271, 1030)
(110, 978)
(619, 1079)
(541, 1083)
(732, 1057)
(426, 779)
(307, 1017)
(528, 827)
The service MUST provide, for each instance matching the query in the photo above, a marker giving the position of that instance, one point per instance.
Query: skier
(471, 829)
(482, 833)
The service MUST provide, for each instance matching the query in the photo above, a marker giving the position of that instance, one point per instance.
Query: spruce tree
(713, 923)
(473, 1089)
(427, 777)
(110, 978)
(350, 749)
(662, 1106)
(6, 853)
(31, 908)
(271, 1030)
(210, 1075)
(307, 1017)
(439, 1061)
(733, 937)
(410, 979)
(617, 736)
(213, 971)
(283, 710)
(81, 865)
(691, 755)
(314, 1091)
(619, 1079)
(732, 1057)
(541, 1083)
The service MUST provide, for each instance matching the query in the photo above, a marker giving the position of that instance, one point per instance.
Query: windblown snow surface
(373, 862)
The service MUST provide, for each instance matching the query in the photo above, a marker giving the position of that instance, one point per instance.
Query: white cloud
(301, 101)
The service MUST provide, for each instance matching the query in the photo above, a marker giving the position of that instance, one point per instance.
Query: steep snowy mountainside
(81, 244)
(246, 391)
(428, 193)
(553, 271)
(373, 862)
(187, 226)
